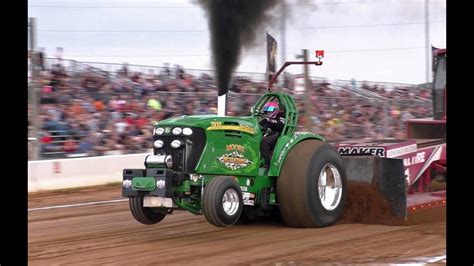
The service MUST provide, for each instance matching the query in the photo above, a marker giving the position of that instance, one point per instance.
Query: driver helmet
(270, 107)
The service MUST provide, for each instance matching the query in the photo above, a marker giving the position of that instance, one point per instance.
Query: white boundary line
(437, 259)
(77, 205)
(422, 260)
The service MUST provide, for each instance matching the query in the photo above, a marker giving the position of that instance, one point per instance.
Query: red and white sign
(417, 162)
(56, 167)
(388, 149)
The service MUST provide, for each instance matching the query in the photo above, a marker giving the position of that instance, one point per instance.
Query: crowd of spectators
(337, 114)
(400, 92)
(91, 112)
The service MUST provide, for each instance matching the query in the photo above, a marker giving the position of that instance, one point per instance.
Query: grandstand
(93, 109)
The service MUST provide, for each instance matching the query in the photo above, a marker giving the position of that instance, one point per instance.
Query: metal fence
(111, 70)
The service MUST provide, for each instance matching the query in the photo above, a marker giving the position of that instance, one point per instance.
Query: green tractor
(211, 165)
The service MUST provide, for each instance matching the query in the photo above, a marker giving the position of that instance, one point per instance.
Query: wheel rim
(330, 187)
(230, 201)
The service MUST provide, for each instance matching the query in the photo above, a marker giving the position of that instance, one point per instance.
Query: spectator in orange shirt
(76, 107)
(99, 105)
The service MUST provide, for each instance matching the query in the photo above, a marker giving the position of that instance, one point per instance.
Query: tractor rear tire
(145, 215)
(222, 201)
(301, 186)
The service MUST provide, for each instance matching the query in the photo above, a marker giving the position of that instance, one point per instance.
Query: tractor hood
(204, 121)
(213, 144)
(186, 120)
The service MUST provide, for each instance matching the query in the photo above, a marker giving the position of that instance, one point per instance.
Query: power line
(376, 50)
(114, 2)
(115, 7)
(195, 6)
(262, 54)
(192, 3)
(366, 25)
(172, 7)
(200, 30)
(192, 6)
(122, 31)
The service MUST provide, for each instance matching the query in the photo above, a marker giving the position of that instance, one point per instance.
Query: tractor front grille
(185, 157)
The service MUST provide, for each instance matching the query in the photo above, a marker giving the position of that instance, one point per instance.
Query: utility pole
(283, 38)
(306, 90)
(308, 124)
(33, 90)
(427, 40)
(283, 33)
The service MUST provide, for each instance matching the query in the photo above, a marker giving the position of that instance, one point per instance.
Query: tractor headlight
(127, 183)
(176, 143)
(159, 131)
(177, 131)
(160, 184)
(187, 131)
(158, 144)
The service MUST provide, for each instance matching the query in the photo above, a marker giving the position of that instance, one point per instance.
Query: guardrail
(80, 172)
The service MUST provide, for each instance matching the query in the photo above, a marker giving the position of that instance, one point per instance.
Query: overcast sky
(358, 36)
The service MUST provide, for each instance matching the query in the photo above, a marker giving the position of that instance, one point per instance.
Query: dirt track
(108, 234)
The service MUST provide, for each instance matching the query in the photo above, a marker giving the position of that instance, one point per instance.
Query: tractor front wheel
(145, 215)
(222, 201)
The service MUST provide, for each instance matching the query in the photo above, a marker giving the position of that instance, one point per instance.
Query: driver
(272, 126)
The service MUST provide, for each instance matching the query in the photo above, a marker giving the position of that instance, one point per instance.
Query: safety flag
(271, 55)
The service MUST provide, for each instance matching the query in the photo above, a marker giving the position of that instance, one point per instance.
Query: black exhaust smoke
(233, 25)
